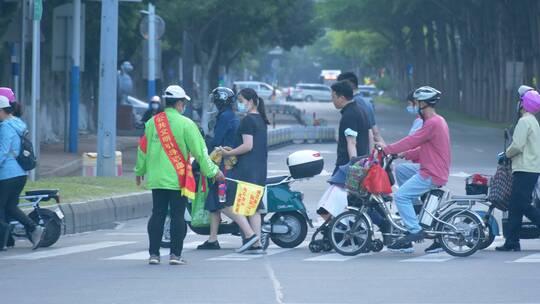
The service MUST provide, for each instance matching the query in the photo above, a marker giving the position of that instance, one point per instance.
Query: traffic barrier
(300, 134)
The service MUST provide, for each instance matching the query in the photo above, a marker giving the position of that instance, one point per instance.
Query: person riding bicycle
(429, 147)
(164, 156)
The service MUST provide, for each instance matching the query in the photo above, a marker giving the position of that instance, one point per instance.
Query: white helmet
(427, 94)
(175, 91)
(524, 89)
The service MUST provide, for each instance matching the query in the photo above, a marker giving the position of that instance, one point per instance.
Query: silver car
(311, 92)
(263, 89)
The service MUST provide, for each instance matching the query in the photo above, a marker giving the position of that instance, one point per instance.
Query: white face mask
(155, 106)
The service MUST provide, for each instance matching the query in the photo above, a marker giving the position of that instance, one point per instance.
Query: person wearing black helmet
(429, 147)
(224, 136)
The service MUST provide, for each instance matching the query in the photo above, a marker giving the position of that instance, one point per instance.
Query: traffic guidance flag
(247, 198)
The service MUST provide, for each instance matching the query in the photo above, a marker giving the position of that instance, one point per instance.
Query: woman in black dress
(252, 154)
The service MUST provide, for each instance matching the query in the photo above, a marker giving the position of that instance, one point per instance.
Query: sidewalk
(53, 161)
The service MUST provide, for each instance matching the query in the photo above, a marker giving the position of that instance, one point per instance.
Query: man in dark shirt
(365, 106)
(353, 137)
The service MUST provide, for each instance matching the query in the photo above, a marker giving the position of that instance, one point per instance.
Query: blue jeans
(405, 171)
(410, 191)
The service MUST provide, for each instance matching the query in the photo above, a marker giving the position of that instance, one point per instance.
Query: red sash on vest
(183, 168)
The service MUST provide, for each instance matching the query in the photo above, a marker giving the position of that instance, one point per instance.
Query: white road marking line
(136, 256)
(278, 289)
(65, 251)
(127, 233)
(431, 258)
(533, 258)
(278, 171)
(460, 174)
(143, 255)
(247, 256)
(336, 257)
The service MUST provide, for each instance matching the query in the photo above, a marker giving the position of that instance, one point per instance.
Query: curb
(104, 213)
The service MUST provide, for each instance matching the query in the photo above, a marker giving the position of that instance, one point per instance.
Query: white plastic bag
(334, 200)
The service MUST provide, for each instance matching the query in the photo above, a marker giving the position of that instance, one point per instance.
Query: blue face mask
(412, 110)
(242, 108)
(155, 106)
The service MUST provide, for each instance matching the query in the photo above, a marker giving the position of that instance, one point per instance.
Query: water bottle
(222, 192)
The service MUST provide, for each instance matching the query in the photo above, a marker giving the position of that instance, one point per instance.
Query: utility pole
(75, 78)
(107, 88)
(37, 12)
(151, 51)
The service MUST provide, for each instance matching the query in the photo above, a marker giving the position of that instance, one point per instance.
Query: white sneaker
(176, 260)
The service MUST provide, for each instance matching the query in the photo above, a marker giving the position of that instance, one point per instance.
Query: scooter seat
(470, 197)
(42, 192)
(276, 179)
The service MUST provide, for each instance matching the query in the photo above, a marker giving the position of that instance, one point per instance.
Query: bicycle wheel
(350, 233)
(467, 236)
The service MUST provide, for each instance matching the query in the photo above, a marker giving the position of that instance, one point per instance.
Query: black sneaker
(255, 250)
(509, 247)
(411, 237)
(247, 243)
(434, 248)
(209, 246)
(401, 248)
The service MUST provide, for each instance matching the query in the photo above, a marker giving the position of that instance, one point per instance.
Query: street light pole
(37, 11)
(151, 51)
(107, 88)
(75, 78)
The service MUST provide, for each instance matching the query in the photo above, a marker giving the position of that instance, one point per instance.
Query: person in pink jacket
(430, 148)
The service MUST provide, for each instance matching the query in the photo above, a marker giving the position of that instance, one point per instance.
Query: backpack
(26, 158)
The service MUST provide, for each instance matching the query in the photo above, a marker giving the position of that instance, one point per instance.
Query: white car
(263, 89)
(311, 92)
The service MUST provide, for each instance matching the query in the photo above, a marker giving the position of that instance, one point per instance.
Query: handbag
(501, 186)
(355, 177)
(377, 181)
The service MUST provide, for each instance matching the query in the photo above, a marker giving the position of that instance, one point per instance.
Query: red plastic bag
(377, 181)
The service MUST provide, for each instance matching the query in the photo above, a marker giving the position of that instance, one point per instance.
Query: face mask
(242, 108)
(155, 106)
(412, 110)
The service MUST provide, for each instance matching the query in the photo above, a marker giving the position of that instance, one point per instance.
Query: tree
(222, 32)
(461, 47)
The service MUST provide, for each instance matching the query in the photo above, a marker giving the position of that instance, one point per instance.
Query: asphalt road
(109, 266)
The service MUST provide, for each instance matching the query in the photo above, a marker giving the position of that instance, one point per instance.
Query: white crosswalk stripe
(44, 253)
(336, 257)
(431, 258)
(247, 256)
(533, 258)
(143, 255)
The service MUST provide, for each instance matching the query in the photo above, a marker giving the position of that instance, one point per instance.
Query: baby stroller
(332, 203)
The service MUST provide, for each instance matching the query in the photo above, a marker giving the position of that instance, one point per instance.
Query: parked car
(263, 89)
(311, 92)
(368, 92)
